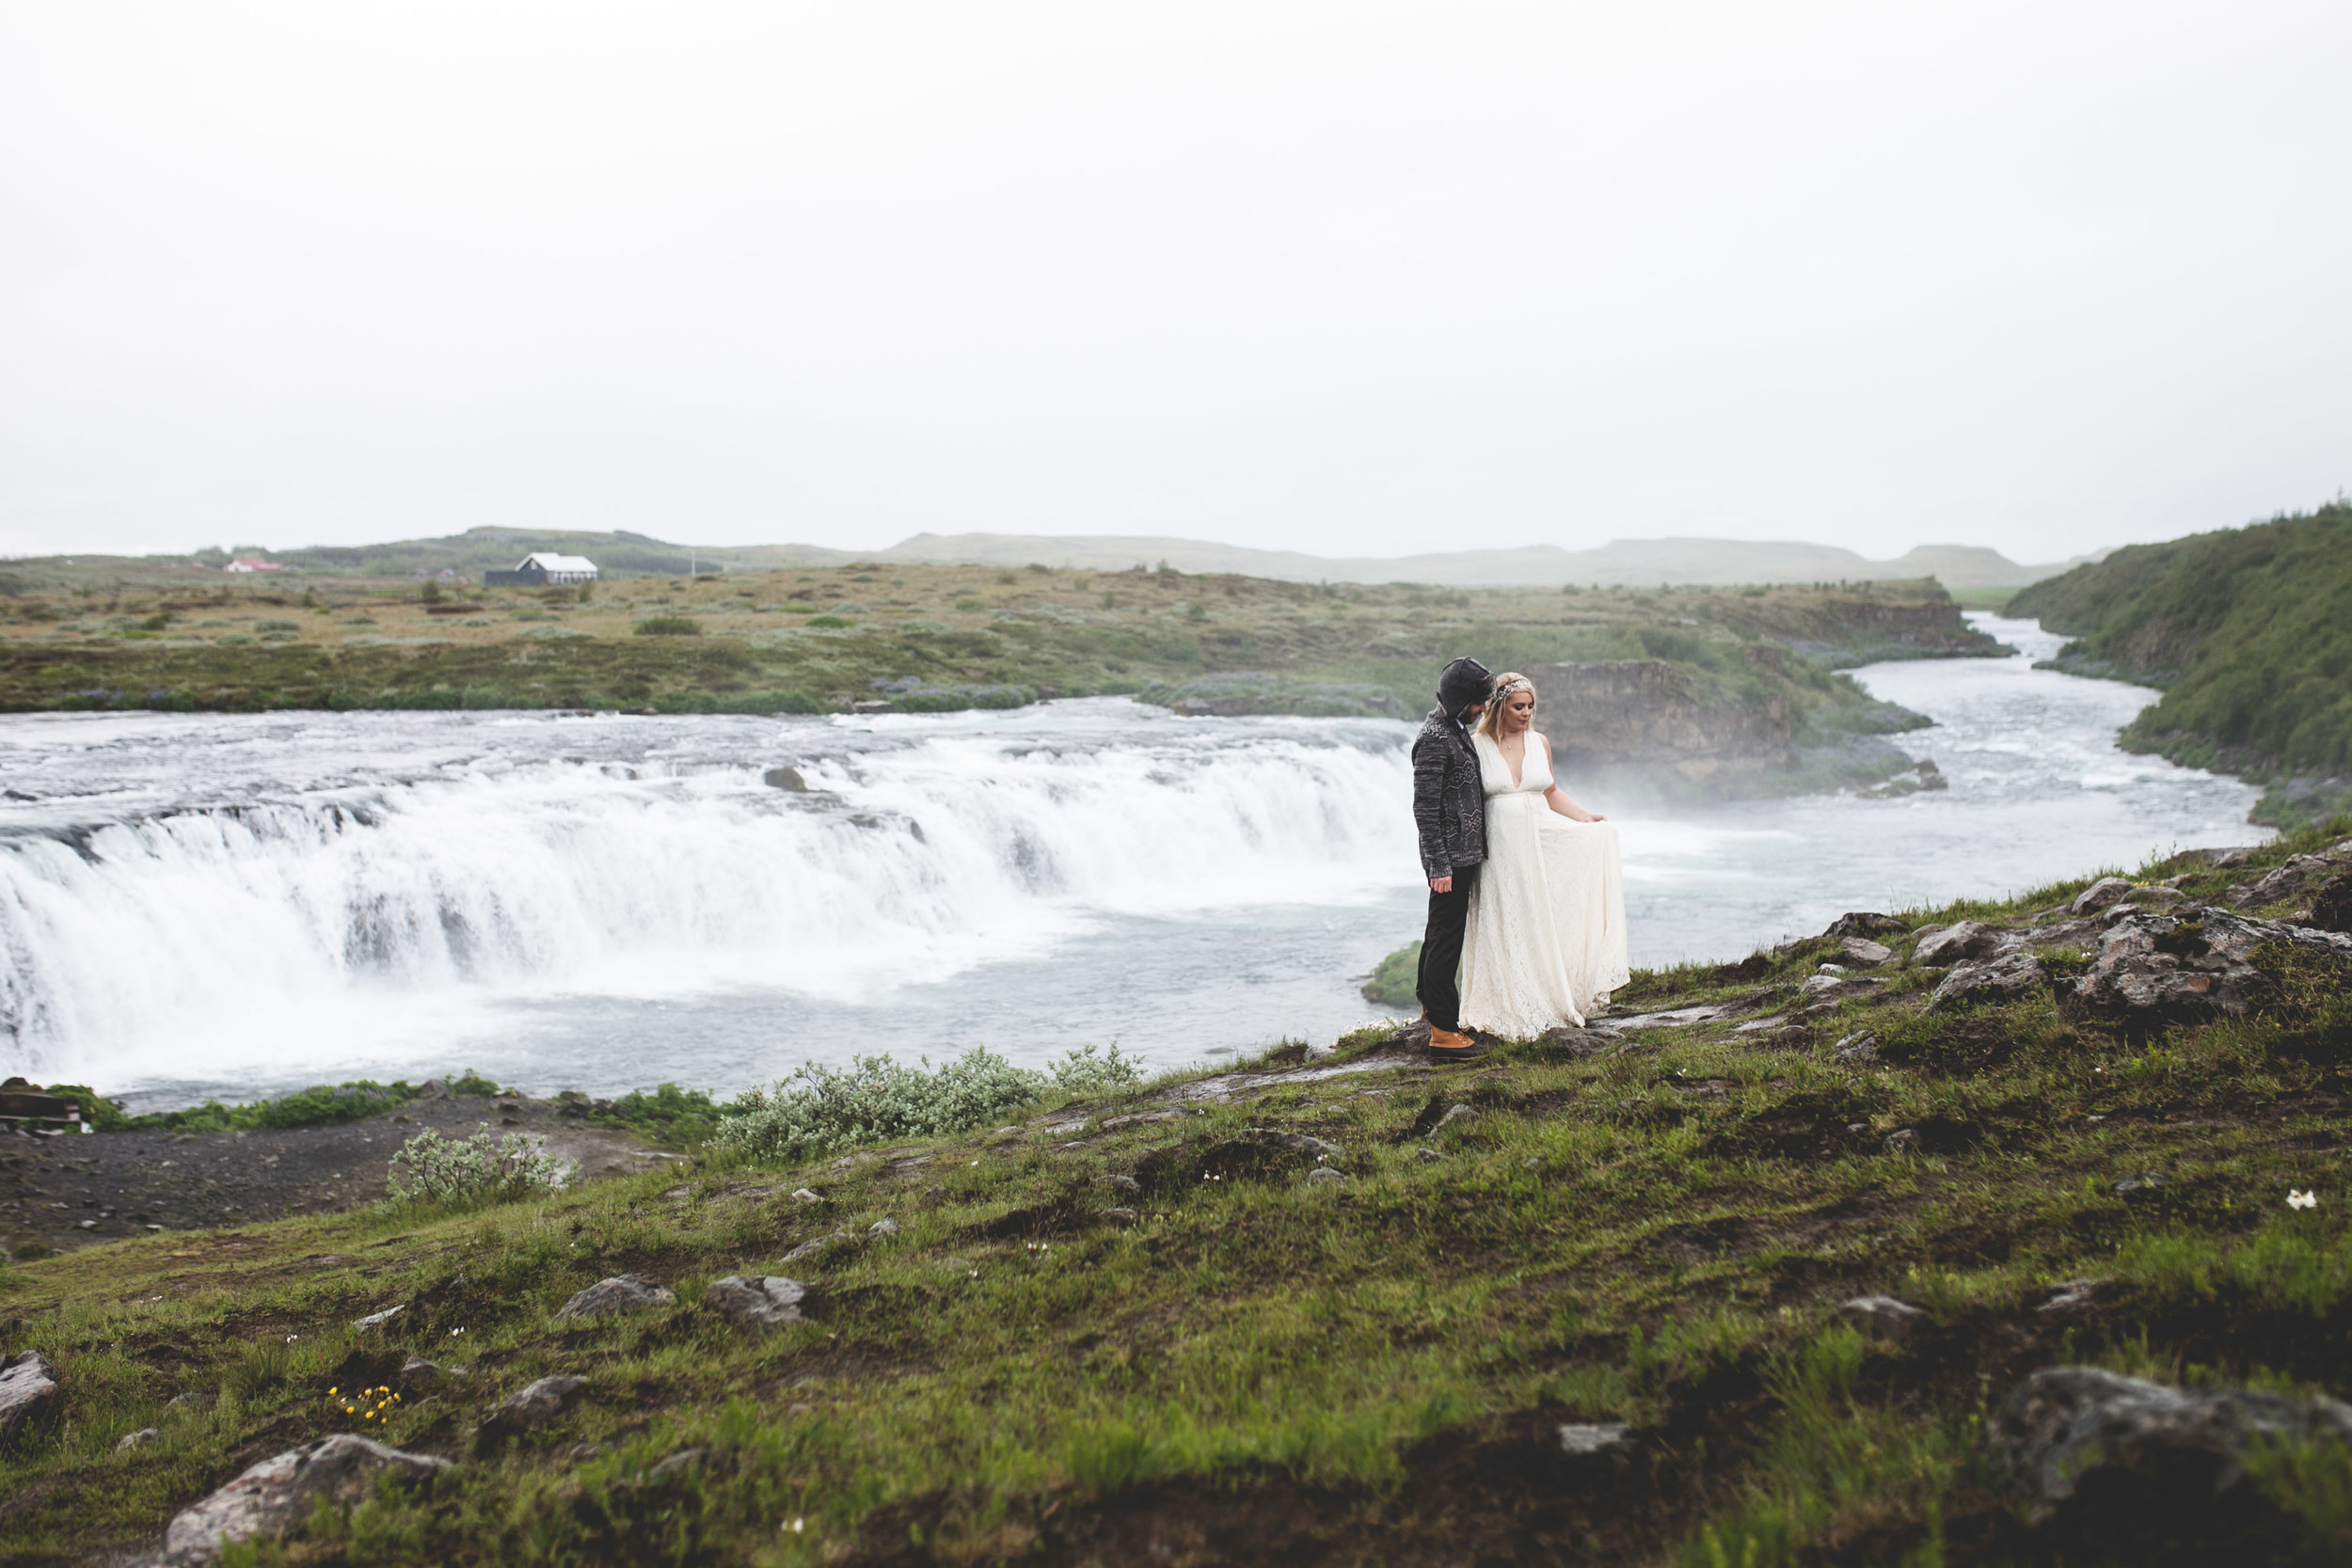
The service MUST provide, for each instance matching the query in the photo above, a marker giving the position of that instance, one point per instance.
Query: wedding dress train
(1546, 938)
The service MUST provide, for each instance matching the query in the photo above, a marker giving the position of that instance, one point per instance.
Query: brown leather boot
(1446, 1042)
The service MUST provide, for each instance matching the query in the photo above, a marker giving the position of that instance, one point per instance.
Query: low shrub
(431, 1168)
(820, 1109)
(669, 625)
(1396, 979)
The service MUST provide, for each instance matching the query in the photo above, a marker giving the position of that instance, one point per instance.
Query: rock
(624, 1293)
(801, 1194)
(433, 1088)
(1996, 981)
(1428, 1156)
(279, 1493)
(2100, 894)
(2072, 1295)
(1454, 1116)
(1866, 925)
(1970, 938)
(1864, 953)
(534, 1407)
(2230, 859)
(2284, 881)
(2332, 911)
(138, 1439)
(1901, 1140)
(2196, 963)
(1584, 1438)
(814, 1248)
(757, 1301)
(2157, 898)
(685, 1459)
(2142, 1183)
(1820, 985)
(1588, 1041)
(1882, 1318)
(786, 779)
(883, 1227)
(377, 1320)
(1324, 1175)
(1299, 1141)
(1858, 1048)
(28, 1393)
(418, 1375)
(1117, 1216)
(1123, 1183)
(2122, 1443)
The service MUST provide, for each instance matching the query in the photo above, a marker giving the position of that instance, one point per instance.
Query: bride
(1546, 935)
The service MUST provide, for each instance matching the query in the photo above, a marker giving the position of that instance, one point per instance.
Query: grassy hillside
(1150, 1326)
(811, 639)
(2249, 633)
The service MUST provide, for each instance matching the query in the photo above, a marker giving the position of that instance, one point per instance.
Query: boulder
(2331, 910)
(757, 1301)
(1970, 938)
(624, 1293)
(1882, 1318)
(279, 1493)
(787, 778)
(1324, 1175)
(801, 1194)
(2284, 881)
(377, 1320)
(1820, 985)
(884, 1227)
(1864, 953)
(1994, 981)
(2124, 1444)
(1428, 1156)
(2200, 962)
(1121, 1184)
(534, 1407)
(28, 1393)
(2106, 891)
(138, 1439)
(1862, 924)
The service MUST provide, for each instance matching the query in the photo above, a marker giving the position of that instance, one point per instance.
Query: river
(234, 906)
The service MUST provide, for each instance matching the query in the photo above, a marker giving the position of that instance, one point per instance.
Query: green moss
(1396, 979)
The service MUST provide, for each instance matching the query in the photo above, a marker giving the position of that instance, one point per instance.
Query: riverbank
(2244, 631)
(1754, 1271)
(922, 639)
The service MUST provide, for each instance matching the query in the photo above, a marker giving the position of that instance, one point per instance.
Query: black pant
(1439, 986)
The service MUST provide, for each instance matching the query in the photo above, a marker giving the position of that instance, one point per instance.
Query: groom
(1450, 809)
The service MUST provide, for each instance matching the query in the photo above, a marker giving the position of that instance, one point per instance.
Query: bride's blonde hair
(1507, 683)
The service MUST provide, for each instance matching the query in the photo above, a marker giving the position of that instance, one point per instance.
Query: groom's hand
(1441, 884)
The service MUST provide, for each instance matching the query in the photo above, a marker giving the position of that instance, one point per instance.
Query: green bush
(669, 625)
(668, 1114)
(433, 1168)
(820, 1109)
(1396, 979)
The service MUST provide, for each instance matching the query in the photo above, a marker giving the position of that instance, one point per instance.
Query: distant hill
(2249, 630)
(1626, 562)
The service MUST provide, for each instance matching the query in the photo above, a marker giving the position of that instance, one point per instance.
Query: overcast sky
(1357, 278)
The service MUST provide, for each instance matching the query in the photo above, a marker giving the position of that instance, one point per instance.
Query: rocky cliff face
(1645, 715)
(1648, 726)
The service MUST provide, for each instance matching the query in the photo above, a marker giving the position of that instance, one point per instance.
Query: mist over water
(238, 906)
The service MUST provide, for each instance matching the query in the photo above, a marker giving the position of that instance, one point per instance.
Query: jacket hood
(1461, 682)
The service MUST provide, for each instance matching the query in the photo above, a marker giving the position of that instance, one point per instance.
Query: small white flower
(291, 1337)
(456, 1332)
(795, 1526)
(2302, 1199)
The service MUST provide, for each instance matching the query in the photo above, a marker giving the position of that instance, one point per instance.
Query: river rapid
(196, 907)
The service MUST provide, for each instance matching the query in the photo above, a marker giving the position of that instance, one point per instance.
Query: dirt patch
(66, 1193)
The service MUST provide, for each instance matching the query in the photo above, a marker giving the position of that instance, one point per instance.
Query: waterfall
(215, 887)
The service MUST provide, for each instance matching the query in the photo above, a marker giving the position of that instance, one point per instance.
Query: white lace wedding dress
(1546, 939)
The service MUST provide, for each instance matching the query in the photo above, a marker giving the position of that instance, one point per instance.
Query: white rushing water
(234, 906)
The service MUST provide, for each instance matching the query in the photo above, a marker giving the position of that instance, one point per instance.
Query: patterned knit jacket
(1449, 797)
